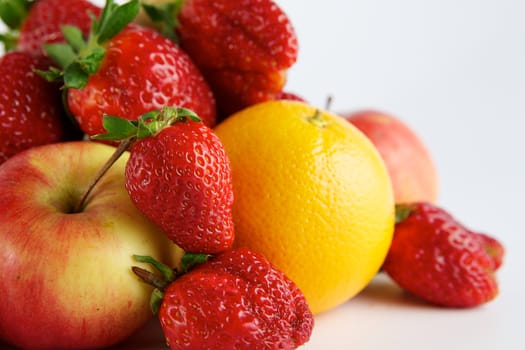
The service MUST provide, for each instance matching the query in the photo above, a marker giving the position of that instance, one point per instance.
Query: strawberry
(39, 22)
(493, 247)
(236, 300)
(242, 47)
(127, 70)
(284, 95)
(439, 260)
(31, 112)
(179, 176)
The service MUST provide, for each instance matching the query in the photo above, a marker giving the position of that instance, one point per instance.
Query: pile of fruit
(151, 160)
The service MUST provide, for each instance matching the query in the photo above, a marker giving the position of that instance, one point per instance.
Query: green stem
(158, 282)
(167, 273)
(150, 278)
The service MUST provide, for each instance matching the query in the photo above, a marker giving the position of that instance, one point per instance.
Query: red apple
(66, 276)
(411, 168)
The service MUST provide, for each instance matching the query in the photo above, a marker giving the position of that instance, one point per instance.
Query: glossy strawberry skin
(31, 112)
(493, 247)
(243, 48)
(45, 18)
(141, 71)
(285, 95)
(437, 259)
(181, 180)
(236, 300)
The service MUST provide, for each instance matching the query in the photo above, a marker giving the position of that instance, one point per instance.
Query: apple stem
(122, 147)
(328, 103)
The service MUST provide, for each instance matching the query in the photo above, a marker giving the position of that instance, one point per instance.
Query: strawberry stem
(167, 273)
(403, 211)
(150, 278)
(122, 147)
(190, 260)
(10, 40)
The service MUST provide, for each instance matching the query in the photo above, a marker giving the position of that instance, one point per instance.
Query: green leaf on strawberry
(12, 13)
(128, 132)
(114, 18)
(51, 75)
(149, 124)
(119, 128)
(62, 54)
(403, 211)
(167, 275)
(165, 16)
(9, 39)
(80, 58)
(74, 37)
(191, 260)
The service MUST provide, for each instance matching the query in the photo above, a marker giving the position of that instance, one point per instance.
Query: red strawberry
(437, 259)
(31, 112)
(236, 300)
(242, 47)
(284, 95)
(179, 176)
(128, 70)
(142, 71)
(42, 22)
(493, 248)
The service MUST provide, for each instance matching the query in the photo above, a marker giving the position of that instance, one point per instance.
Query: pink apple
(66, 276)
(411, 168)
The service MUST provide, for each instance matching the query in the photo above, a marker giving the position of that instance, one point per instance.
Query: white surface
(455, 72)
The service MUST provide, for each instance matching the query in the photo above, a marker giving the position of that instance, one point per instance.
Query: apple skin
(411, 168)
(66, 277)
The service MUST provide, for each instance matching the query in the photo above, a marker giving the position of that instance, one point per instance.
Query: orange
(311, 194)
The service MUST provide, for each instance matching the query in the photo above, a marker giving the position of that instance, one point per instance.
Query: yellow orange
(312, 194)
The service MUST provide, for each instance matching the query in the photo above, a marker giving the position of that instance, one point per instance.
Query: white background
(453, 70)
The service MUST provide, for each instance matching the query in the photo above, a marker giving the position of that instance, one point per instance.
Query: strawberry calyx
(79, 57)
(126, 132)
(13, 14)
(167, 274)
(165, 17)
(149, 124)
(403, 211)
